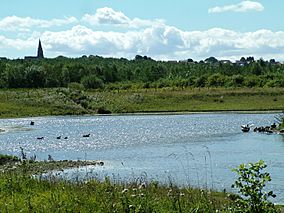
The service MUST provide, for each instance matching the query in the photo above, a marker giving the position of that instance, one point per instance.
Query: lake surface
(191, 149)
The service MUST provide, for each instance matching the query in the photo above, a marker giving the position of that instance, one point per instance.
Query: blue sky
(166, 30)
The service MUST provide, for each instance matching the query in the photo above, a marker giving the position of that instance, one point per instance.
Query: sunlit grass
(21, 193)
(63, 101)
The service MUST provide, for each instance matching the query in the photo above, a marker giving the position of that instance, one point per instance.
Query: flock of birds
(266, 129)
(58, 137)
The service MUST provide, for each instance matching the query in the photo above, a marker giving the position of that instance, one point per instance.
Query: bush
(280, 120)
(4, 159)
(216, 80)
(76, 86)
(251, 182)
(102, 110)
(92, 82)
(236, 81)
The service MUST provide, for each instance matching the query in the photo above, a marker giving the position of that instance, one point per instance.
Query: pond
(190, 149)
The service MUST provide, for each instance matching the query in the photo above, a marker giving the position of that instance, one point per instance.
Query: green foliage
(4, 159)
(92, 82)
(22, 193)
(139, 97)
(61, 71)
(76, 86)
(251, 183)
(280, 120)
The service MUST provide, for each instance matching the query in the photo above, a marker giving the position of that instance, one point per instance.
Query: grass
(21, 193)
(197, 100)
(64, 101)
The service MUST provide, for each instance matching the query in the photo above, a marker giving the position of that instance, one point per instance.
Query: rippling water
(195, 149)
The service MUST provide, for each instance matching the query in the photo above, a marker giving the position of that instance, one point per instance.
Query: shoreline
(196, 112)
(159, 113)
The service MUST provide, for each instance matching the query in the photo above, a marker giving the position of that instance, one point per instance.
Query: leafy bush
(92, 82)
(280, 120)
(251, 182)
(76, 86)
(4, 159)
(236, 81)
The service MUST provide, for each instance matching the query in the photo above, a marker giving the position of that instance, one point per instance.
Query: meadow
(70, 101)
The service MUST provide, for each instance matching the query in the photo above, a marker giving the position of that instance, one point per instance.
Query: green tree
(16, 76)
(35, 76)
(211, 60)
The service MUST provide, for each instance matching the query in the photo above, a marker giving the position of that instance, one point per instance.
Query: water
(194, 149)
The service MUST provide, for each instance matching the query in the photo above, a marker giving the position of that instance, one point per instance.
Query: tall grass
(21, 193)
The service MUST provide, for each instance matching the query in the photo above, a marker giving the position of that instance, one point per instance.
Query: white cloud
(165, 42)
(108, 16)
(243, 6)
(155, 39)
(18, 44)
(15, 23)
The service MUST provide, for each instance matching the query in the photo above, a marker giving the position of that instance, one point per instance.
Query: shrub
(4, 159)
(92, 82)
(216, 80)
(102, 110)
(251, 182)
(76, 86)
(236, 81)
(280, 120)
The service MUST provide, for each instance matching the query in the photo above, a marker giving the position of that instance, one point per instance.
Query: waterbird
(59, 137)
(86, 136)
(40, 138)
(65, 138)
(32, 123)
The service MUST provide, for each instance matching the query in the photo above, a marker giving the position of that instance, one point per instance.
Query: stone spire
(39, 50)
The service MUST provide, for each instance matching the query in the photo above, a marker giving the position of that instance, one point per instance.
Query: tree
(211, 60)
(16, 76)
(35, 76)
(256, 69)
(250, 59)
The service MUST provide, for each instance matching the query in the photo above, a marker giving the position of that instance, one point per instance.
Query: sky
(161, 29)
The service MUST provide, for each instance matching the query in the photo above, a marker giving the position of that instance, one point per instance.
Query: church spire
(39, 50)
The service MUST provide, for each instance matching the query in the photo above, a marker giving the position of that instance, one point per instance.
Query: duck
(86, 136)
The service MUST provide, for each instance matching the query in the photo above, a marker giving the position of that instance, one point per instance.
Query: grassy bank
(64, 101)
(23, 192)
(20, 193)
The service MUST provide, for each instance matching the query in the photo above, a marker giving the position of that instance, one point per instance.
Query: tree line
(93, 72)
